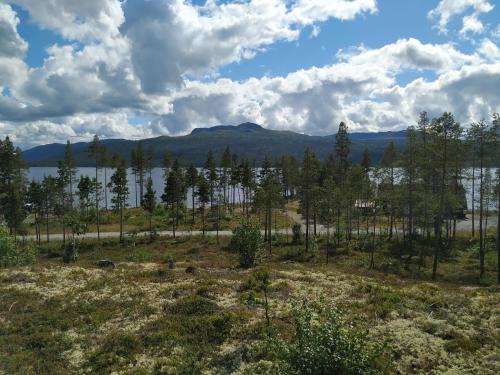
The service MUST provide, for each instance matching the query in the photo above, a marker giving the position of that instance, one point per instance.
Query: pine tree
(203, 193)
(34, 197)
(342, 147)
(268, 197)
(12, 185)
(211, 174)
(309, 180)
(149, 203)
(119, 188)
(49, 186)
(496, 156)
(226, 164)
(85, 189)
(95, 152)
(443, 130)
(62, 183)
(175, 193)
(69, 164)
(366, 162)
(139, 165)
(167, 163)
(192, 182)
(388, 164)
(479, 133)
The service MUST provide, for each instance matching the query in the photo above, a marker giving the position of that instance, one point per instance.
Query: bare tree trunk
(97, 202)
(105, 189)
(481, 212)
(473, 194)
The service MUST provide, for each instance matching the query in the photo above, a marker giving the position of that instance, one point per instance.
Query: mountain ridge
(247, 140)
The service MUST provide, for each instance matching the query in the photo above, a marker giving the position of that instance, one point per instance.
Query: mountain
(247, 140)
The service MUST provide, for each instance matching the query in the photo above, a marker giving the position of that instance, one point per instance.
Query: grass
(136, 219)
(206, 314)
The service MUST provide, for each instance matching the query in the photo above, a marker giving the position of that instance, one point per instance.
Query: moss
(463, 344)
(115, 350)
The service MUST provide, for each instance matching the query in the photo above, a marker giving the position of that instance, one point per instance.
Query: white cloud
(495, 33)
(447, 9)
(76, 128)
(13, 70)
(86, 20)
(361, 89)
(489, 51)
(172, 38)
(409, 54)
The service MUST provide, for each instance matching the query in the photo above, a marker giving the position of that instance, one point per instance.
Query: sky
(136, 69)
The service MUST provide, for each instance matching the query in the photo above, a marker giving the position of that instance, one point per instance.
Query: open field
(205, 316)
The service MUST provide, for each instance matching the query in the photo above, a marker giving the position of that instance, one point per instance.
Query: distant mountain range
(247, 140)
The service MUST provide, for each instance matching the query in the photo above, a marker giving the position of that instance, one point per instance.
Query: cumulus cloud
(75, 19)
(76, 128)
(409, 54)
(172, 38)
(361, 89)
(447, 9)
(12, 49)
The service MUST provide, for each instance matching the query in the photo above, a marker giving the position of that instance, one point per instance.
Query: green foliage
(324, 343)
(116, 348)
(247, 241)
(15, 254)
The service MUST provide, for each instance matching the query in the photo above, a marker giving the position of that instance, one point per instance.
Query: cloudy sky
(70, 69)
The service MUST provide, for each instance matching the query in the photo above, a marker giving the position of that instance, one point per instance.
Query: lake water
(37, 173)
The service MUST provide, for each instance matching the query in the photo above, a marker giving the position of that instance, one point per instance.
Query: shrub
(324, 343)
(116, 349)
(247, 241)
(15, 254)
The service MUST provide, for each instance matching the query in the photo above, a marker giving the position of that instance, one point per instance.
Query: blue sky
(145, 68)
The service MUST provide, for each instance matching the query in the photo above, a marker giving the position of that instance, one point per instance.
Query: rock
(105, 263)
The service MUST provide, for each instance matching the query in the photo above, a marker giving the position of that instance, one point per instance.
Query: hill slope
(247, 140)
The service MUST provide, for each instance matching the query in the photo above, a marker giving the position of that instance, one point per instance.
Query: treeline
(412, 198)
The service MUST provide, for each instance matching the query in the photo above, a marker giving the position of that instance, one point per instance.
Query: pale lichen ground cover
(426, 328)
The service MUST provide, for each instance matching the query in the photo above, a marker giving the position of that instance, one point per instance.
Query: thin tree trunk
(481, 212)
(441, 208)
(192, 199)
(97, 202)
(105, 189)
(498, 228)
(307, 224)
(121, 222)
(473, 195)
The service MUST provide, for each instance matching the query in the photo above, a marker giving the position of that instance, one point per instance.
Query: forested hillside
(248, 140)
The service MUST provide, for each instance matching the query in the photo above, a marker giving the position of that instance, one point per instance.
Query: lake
(37, 173)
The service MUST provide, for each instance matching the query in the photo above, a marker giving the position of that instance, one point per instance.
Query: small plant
(324, 343)
(247, 241)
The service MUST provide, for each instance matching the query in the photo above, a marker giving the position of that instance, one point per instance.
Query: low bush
(247, 242)
(323, 343)
(13, 253)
